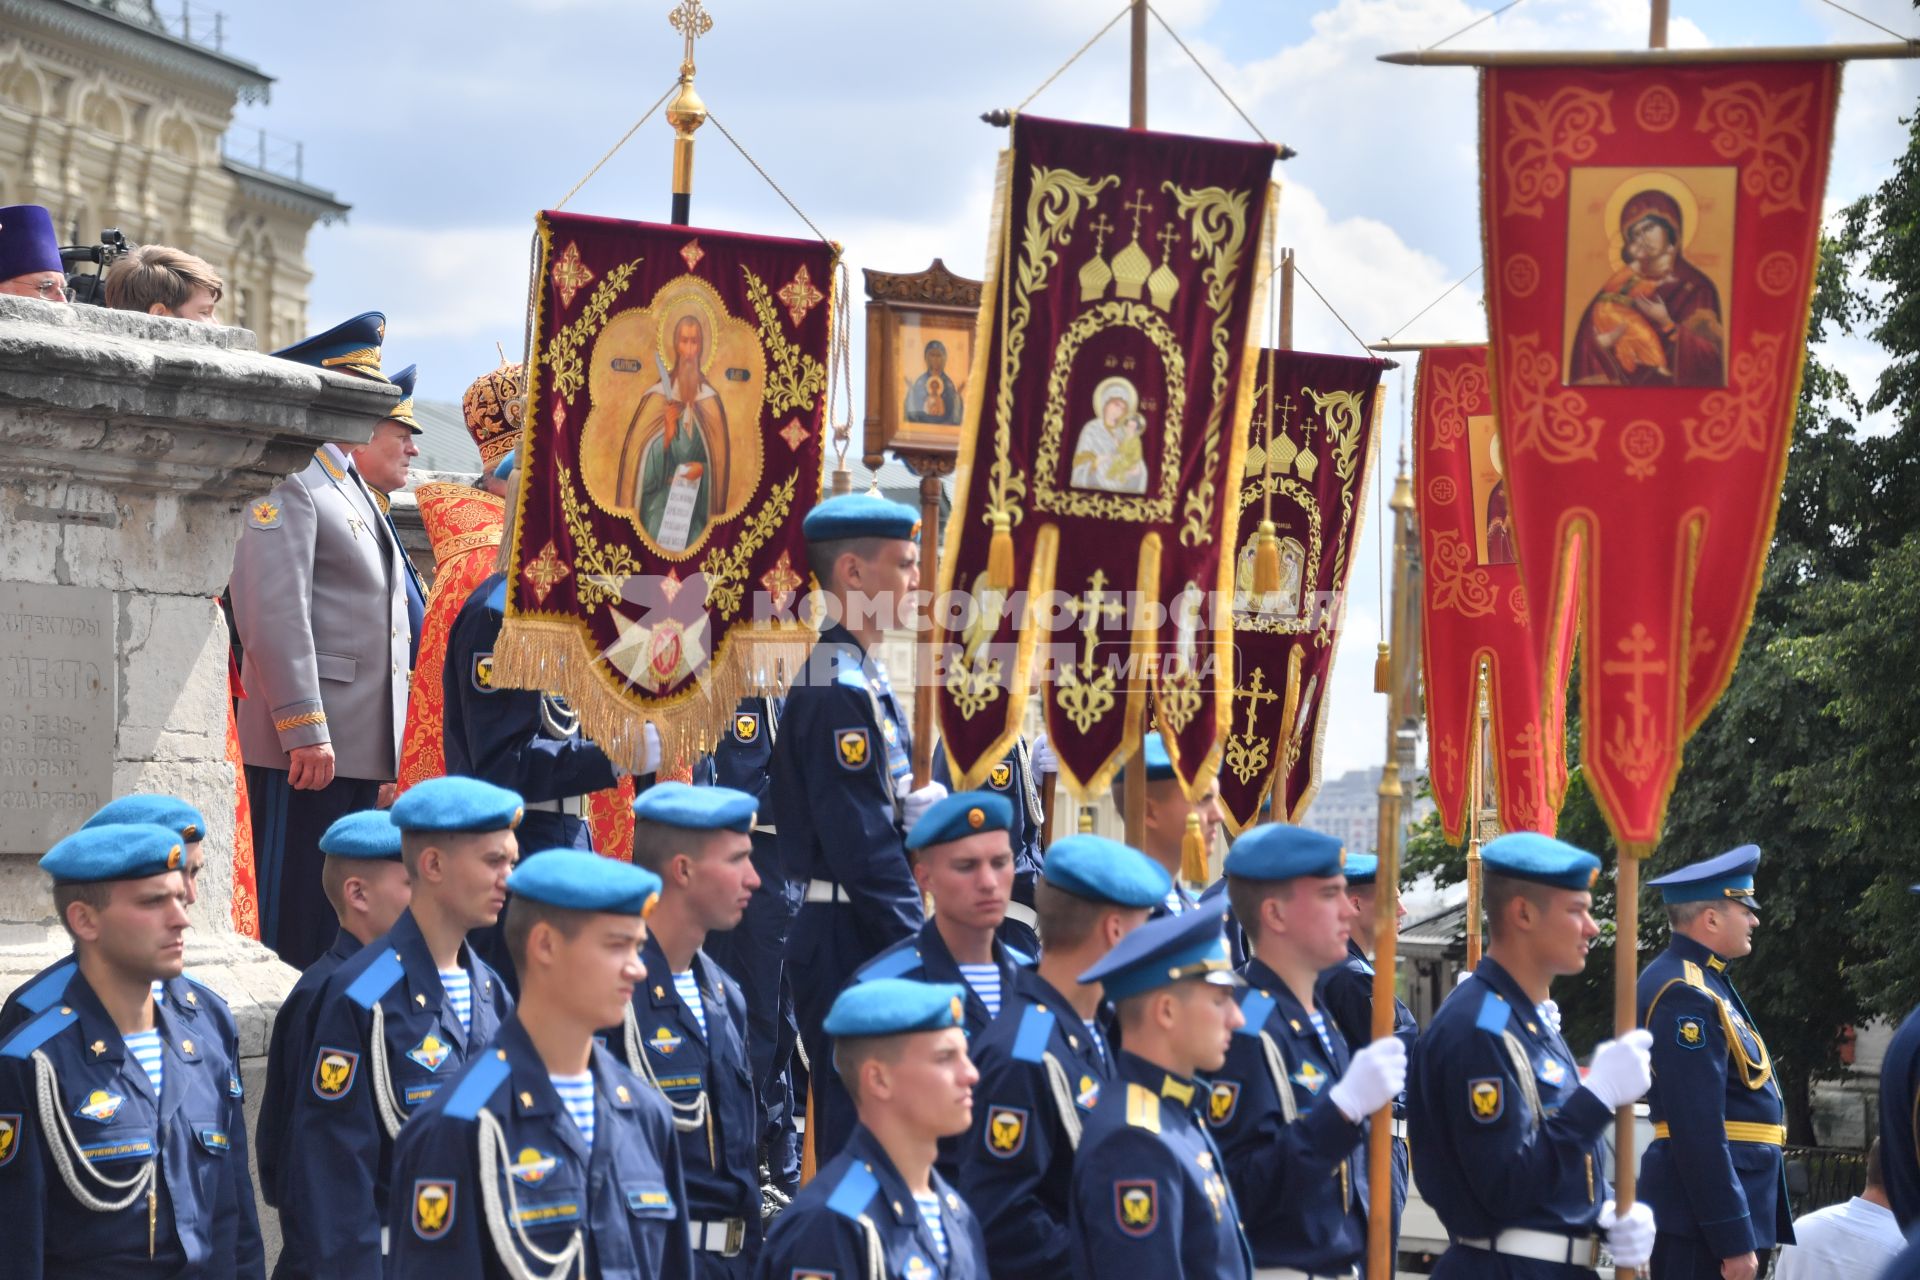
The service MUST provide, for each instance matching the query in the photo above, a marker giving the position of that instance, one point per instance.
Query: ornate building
(112, 115)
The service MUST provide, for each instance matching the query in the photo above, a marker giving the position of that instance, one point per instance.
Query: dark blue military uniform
(194, 1218)
(334, 1198)
(1507, 1137)
(859, 1206)
(1041, 1073)
(1297, 1164)
(1900, 1122)
(706, 1077)
(1012, 776)
(288, 1063)
(496, 1154)
(1346, 993)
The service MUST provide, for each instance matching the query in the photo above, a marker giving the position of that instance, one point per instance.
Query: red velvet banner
(1309, 475)
(1102, 448)
(1651, 239)
(676, 396)
(1475, 611)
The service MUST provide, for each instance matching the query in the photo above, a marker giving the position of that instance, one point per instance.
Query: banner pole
(923, 619)
(1476, 786)
(1386, 941)
(686, 112)
(1626, 1014)
(1137, 67)
(1657, 30)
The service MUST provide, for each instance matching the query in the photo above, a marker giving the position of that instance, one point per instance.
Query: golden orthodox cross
(1167, 236)
(1139, 205)
(1253, 695)
(1090, 609)
(692, 21)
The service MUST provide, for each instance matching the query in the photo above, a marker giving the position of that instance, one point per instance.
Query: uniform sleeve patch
(1486, 1100)
(1222, 1102)
(433, 1205)
(850, 747)
(1136, 1205)
(333, 1072)
(483, 672)
(10, 1123)
(746, 727)
(1000, 777)
(1006, 1131)
(1691, 1033)
(264, 515)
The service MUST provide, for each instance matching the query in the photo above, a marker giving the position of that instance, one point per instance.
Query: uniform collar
(865, 1149)
(345, 945)
(1067, 1020)
(660, 988)
(424, 988)
(1503, 984)
(102, 1043)
(1687, 949)
(531, 1093)
(837, 634)
(1179, 1089)
(1354, 953)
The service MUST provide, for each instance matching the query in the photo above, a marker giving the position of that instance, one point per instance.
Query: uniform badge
(664, 1042)
(890, 731)
(1692, 1035)
(432, 1207)
(916, 1268)
(1551, 1071)
(1006, 1132)
(1136, 1205)
(234, 1088)
(1000, 777)
(483, 672)
(531, 1167)
(1089, 1093)
(801, 1273)
(9, 1137)
(746, 727)
(264, 515)
(1485, 1100)
(1310, 1078)
(850, 745)
(430, 1052)
(101, 1106)
(333, 1072)
(1222, 1101)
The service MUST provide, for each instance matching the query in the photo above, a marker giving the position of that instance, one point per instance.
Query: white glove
(1622, 1069)
(650, 752)
(1040, 754)
(1374, 1078)
(918, 802)
(1550, 1010)
(1630, 1236)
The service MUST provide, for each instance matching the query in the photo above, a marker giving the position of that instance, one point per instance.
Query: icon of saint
(1656, 321)
(934, 396)
(673, 460)
(1109, 453)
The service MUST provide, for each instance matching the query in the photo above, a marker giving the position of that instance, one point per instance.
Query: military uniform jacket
(744, 754)
(1900, 1121)
(334, 1196)
(320, 603)
(288, 1063)
(707, 1080)
(111, 1127)
(1346, 993)
(1041, 1074)
(495, 1159)
(1505, 1134)
(857, 1221)
(1294, 1159)
(1717, 1175)
(1150, 1193)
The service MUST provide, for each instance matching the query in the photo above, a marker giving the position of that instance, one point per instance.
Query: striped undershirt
(1099, 1043)
(930, 1214)
(690, 996)
(145, 1047)
(985, 981)
(576, 1095)
(459, 989)
(1320, 1029)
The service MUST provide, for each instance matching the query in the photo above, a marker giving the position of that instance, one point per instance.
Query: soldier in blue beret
(393, 1024)
(145, 1172)
(1713, 1173)
(843, 765)
(1045, 1058)
(30, 265)
(685, 1031)
(1170, 815)
(1290, 1107)
(1511, 1142)
(1899, 1133)
(1346, 993)
(545, 1155)
(880, 1210)
(1017, 776)
(367, 885)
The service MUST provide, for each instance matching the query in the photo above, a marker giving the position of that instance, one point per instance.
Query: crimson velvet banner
(676, 393)
(1311, 453)
(1102, 449)
(1474, 611)
(1651, 239)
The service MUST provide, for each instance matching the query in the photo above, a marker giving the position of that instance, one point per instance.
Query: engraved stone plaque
(58, 707)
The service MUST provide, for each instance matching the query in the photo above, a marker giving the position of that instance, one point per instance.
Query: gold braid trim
(300, 721)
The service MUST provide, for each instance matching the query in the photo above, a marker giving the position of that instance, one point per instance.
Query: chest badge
(1310, 1078)
(1089, 1093)
(430, 1052)
(1000, 777)
(916, 1269)
(1552, 1071)
(531, 1167)
(1692, 1034)
(1485, 1099)
(664, 1042)
(101, 1106)
(1006, 1132)
(850, 745)
(1222, 1101)
(746, 728)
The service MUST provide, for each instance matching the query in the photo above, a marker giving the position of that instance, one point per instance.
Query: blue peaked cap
(363, 836)
(456, 803)
(676, 804)
(1161, 952)
(402, 411)
(1103, 870)
(579, 881)
(352, 346)
(1726, 878)
(859, 515)
(158, 810)
(896, 1006)
(962, 814)
(1282, 851)
(115, 851)
(1528, 855)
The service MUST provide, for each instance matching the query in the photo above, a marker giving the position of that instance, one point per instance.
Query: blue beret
(1153, 750)
(402, 411)
(859, 515)
(457, 804)
(1361, 869)
(962, 814)
(896, 1006)
(117, 851)
(349, 347)
(362, 836)
(1161, 952)
(1282, 851)
(28, 242)
(1527, 855)
(154, 810)
(675, 804)
(1728, 877)
(507, 465)
(581, 881)
(1103, 870)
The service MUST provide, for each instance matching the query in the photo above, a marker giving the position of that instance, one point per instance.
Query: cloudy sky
(446, 125)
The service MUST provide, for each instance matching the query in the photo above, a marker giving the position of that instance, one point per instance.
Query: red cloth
(246, 888)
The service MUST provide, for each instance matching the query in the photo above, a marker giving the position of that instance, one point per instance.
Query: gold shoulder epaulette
(1693, 975)
(1143, 1108)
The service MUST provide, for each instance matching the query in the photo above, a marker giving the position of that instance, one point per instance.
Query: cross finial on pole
(692, 21)
(686, 112)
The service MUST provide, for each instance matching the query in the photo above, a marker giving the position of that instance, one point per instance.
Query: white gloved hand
(1629, 1235)
(650, 752)
(1040, 754)
(1622, 1069)
(918, 802)
(1550, 1010)
(1374, 1078)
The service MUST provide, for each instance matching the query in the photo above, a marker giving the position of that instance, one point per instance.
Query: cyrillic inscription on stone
(57, 710)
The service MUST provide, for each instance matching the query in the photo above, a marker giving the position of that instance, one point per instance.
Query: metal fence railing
(1820, 1176)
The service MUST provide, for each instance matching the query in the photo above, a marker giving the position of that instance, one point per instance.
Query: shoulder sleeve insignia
(1222, 1102)
(1143, 1108)
(333, 1072)
(433, 1207)
(1006, 1131)
(9, 1136)
(1000, 777)
(850, 747)
(1692, 1033)
(746, 727)
(1136, 1205)
(264, 515)
(483, 672)
(1486, 1100)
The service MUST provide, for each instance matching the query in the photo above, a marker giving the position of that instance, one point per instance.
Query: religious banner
(676, 395)
(1309, 459)
(1102, 445)
(1475, 612)
(1651, 238)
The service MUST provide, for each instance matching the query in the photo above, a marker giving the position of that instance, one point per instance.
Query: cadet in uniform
(1346, 993)
(843, 763)
(1016, 776)
(1713, 1173)
(685, 1031)
(368, 887)
(1289, 1109)
(1511, 1141)
(119, 1120)
(1171, 819)
(394, 1023)
(879, 1210)
(1150, 1192)
(545, 1156)
(1900, 1120)
(1045, 1059)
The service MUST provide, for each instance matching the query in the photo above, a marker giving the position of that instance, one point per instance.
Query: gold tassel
(1000, 554)
(1266, 560)
(1383, 671)
(1193, 853)
(1086, 822)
